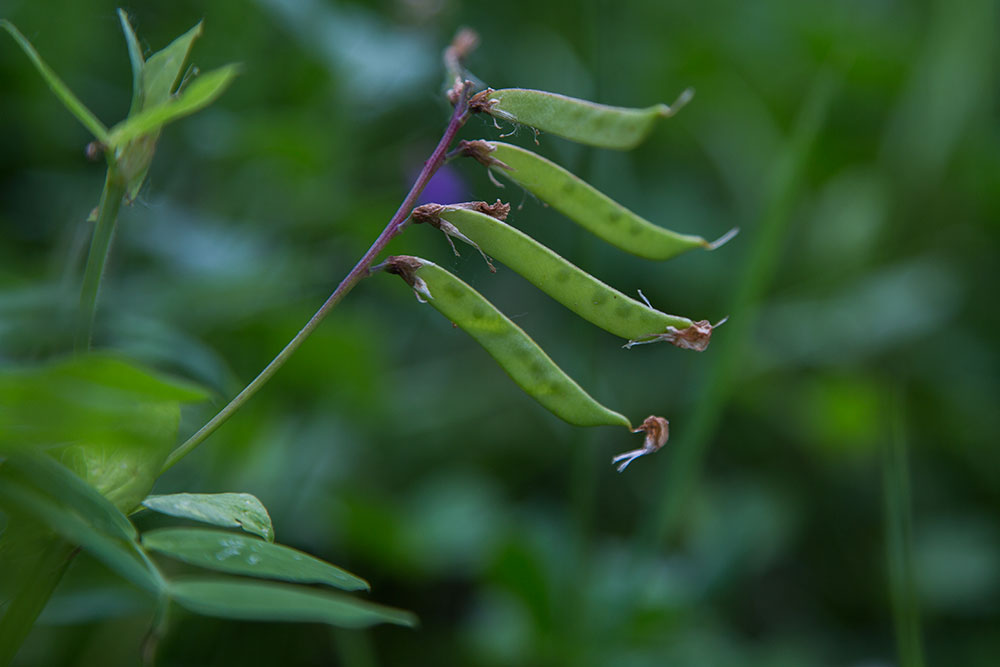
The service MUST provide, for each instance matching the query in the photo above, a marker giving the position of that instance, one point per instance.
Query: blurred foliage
(391, 444)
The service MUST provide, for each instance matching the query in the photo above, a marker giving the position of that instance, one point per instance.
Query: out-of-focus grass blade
(260, 601)
(241, 554)
(899, 542)
(61, 90)
(231, 510)
(768, 235)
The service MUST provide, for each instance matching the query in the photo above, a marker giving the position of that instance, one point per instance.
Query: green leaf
(162, 71)
(201, 92)
(136, 59)
(115, 373)
(590, 208)
(68, 489)
(231, 510)
(577, 120)
(110, 421)
(240, 554)
(61, 90)
(94, 398)
(258, 601)
(19, 496)
(520, 357)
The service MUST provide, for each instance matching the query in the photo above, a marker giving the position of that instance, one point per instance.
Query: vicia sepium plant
(83, 439)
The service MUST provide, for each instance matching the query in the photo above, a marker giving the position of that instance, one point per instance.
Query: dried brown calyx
(480, 150)
(405, 266)
(431, 214)
(481, 102)
(657, 430)
(694, 337)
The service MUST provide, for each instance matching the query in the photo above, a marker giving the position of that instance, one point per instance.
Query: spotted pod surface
(520, 357)
(588, 207)
(588, 297)
(578, 120)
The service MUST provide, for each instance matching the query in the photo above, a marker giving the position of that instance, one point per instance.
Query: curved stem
(100, 245)
(361, 269)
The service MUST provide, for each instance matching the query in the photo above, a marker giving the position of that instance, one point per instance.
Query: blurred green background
(854, 143)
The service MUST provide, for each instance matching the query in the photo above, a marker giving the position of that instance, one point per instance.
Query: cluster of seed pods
(483, 226)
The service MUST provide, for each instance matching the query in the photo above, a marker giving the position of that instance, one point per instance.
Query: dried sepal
(657, 430)
(481, 102)
(480, 150)
(405, 266)
(695, 337)
(431, 214)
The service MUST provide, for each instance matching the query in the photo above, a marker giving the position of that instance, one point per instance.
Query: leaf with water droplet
(240, 554)
(230, 510)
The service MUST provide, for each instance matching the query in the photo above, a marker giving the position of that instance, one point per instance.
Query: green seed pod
(521, 358)
(588, 297)
(581, 202)
(577, 120)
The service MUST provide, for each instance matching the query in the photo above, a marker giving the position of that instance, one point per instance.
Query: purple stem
(396, 225)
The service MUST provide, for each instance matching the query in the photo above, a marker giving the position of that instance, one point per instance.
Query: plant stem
(100, 245)
(361, 269)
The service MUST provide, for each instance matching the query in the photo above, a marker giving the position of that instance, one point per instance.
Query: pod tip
(724, 239)
(657, 430)
(679, 103)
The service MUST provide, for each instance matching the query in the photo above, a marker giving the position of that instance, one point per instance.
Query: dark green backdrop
(856, 145)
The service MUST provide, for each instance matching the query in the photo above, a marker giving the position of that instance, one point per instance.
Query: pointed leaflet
(249, 556)
(260, 601)
(231, 510)
(201, 92)
(162, 71)
(135, 58)
(519, 356)
(578, 120)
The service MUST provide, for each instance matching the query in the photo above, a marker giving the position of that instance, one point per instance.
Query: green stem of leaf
(100, 245)
(38, 582)
(395, 226)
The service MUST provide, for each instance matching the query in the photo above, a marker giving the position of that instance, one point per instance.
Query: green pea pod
(577, 120)
(595, 301)
(521, 358)
(581, 202)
